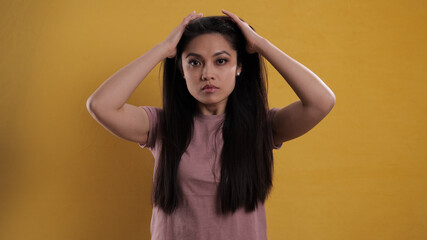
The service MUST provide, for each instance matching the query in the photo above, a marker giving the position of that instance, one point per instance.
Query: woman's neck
(212, 109)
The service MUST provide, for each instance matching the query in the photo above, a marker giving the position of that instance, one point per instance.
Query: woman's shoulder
(152, 111)
(152, 108)
(153, 119)
(271, 112)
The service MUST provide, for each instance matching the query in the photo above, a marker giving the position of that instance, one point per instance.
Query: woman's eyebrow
(216, 54)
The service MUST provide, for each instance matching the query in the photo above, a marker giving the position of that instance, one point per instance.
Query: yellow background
(359, 174)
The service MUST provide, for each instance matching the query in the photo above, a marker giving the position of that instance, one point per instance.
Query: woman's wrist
(164, 49)
(259, 45)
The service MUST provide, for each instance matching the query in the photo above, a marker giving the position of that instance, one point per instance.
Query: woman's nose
(207, 72)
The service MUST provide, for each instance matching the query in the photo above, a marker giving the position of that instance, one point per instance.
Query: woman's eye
(222, 61)
(193, 62)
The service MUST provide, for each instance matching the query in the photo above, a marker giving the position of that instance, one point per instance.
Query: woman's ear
(239, 69)
(179, 63)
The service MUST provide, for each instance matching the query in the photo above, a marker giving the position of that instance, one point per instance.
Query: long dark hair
(246, 157)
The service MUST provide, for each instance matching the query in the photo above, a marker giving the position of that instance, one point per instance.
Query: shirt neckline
(210, 117)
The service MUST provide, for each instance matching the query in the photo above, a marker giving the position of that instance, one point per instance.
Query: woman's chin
(211, 101)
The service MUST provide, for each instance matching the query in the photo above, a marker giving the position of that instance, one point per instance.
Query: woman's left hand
(251, 36)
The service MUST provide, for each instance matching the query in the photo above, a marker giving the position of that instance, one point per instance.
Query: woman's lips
(209, 88)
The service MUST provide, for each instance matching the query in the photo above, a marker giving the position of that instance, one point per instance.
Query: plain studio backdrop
(359, 174)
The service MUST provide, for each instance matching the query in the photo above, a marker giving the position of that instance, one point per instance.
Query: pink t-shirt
(198, 172)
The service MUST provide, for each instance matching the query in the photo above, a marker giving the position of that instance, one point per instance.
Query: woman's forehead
(209, 45)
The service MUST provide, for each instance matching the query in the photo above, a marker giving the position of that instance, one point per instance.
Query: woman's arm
(316, 99)
(108, 104)
(117, 89)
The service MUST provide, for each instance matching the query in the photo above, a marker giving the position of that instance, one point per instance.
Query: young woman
(213, 139)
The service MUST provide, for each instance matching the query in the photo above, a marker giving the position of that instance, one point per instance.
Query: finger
(198, 15)
(229, 13)
(194, 15)
(188, 16)
(233, 16)
(226, 12)
(191, 17)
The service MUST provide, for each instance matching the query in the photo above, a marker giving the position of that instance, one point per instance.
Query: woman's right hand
(172, 40)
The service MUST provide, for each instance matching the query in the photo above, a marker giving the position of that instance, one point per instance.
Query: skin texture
(210, 59)
(108, 104)
(316, 98)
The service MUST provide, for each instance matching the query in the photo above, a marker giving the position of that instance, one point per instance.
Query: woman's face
(209, 65)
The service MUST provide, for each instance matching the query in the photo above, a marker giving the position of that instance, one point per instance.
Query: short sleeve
(270, 121)
(152, 113)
